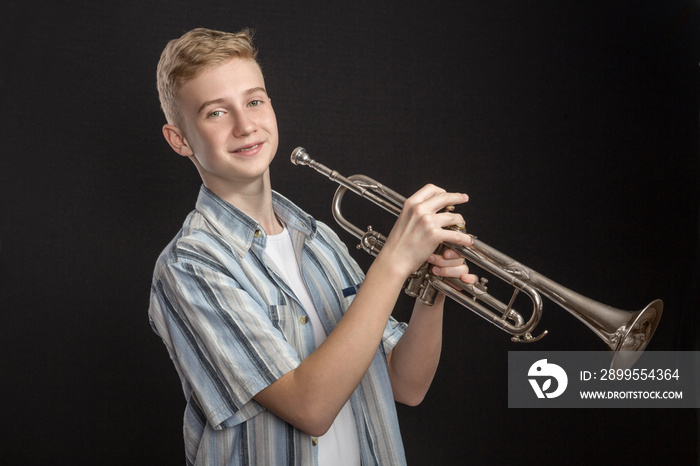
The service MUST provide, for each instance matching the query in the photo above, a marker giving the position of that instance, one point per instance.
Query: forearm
(414, 360)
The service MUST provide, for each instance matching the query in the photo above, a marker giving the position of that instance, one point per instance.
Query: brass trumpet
(625, 333)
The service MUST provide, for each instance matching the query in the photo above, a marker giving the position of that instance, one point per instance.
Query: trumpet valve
(481, 286)
(372, 241)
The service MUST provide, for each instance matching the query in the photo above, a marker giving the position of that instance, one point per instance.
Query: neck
(254, 199)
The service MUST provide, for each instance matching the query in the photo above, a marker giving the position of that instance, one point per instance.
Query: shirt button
(304, 319)
(314, 441)
(257, 233)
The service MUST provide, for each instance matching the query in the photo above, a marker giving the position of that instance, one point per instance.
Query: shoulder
(329, 235)
(198, 242)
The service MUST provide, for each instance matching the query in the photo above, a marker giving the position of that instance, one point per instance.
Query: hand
(451, 264)
(421, 228)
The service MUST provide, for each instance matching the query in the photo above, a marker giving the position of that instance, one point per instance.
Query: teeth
(249, 148)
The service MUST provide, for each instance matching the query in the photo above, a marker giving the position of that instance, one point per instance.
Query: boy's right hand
(421, 228)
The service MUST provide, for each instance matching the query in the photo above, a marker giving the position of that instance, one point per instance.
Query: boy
(283, 357)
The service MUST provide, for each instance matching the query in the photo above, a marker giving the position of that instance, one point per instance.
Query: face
(229, 128)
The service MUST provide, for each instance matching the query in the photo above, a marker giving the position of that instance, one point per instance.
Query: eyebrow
(221, 100)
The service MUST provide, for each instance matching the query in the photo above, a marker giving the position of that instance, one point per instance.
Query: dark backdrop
(572, 125)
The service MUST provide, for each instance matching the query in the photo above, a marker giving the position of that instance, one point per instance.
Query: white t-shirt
(340, 445)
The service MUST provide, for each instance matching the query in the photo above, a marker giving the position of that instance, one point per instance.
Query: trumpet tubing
(625, 333)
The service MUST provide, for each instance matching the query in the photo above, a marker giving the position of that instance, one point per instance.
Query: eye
(215, 114)
(255, 103)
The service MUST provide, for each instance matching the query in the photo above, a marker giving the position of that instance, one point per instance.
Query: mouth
(248, 149)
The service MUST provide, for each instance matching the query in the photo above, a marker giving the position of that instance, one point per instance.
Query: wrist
(391, 271)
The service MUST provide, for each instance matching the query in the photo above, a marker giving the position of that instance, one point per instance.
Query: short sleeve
(222, 341)
(392, 333)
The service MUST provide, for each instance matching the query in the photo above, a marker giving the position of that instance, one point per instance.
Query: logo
(541, 374)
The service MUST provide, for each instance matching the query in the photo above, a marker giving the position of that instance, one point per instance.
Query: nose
(243, 124)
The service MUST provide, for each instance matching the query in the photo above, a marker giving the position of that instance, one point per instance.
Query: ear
(176, 139)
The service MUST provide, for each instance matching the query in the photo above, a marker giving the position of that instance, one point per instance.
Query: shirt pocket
(350, 291)
(347, 296)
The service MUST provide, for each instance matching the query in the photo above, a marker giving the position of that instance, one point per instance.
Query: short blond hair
(183, 58)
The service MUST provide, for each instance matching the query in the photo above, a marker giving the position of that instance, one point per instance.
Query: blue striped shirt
(232, 327)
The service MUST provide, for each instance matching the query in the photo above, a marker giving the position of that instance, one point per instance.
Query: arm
(414, 360)
(310, 396)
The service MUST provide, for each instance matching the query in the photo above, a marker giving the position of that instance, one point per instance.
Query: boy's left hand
(451, 264)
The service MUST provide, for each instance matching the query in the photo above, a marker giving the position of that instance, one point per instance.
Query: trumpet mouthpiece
(300, 156)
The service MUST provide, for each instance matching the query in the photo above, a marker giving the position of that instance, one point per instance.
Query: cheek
(205, 141)
(271, 120)
(273, 123)
(274, 133)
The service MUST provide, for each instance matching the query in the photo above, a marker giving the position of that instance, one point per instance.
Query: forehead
(229, 79)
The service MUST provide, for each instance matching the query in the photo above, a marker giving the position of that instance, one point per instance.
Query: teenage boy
(284, 358)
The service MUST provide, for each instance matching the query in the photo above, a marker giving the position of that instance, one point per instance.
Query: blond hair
(183, 58)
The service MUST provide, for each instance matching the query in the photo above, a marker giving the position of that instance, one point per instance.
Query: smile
(247, 149)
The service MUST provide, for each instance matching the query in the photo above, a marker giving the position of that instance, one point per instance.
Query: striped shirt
(232, 327)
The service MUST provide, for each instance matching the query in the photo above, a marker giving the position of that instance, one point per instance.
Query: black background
(573, 126)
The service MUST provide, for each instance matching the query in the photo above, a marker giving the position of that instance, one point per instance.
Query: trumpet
(625, 333)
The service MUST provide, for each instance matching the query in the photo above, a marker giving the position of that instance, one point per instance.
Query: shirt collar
(241, 230)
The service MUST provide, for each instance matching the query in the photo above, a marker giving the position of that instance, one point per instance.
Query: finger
(454, 267)
(426, 192)
(446, 219)
(441, 260)
(450, 271)
(461, 272)
(440, 200)
(457, 238)
(450, 254)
